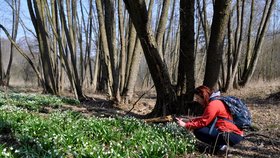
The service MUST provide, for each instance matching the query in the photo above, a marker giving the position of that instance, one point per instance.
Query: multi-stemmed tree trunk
(232, 76)
(253, 59)
(216, 43)
(105, 55)
(110, 26)
(234, 48)
(37, 14)
(165, 93)
(69, 24)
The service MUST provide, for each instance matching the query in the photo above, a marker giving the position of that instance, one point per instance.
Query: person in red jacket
(223, 132)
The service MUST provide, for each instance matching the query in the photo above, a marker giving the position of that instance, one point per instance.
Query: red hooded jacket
(215, 108)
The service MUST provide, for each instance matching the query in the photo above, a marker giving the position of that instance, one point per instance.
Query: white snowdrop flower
(16, 151)
(8, 154)
(11, 148)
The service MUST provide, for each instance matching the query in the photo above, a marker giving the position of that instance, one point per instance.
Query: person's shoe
(223, 151)
(223, 148)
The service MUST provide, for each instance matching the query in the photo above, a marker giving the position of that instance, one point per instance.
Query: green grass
(69, 134)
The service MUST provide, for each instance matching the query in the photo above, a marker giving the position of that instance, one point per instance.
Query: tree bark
(258, 44)
(110, 26)
(165, 93)
(37, 14)
(215, 49)
(15, 6)
(162, 26)
(105, 48)
(186, 82)
(123, 50)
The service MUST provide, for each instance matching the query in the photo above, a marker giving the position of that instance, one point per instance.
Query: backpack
(238, 109)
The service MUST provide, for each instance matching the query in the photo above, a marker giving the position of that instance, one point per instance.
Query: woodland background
(118, 48)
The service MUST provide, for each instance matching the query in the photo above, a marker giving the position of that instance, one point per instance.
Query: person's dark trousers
(222, 138)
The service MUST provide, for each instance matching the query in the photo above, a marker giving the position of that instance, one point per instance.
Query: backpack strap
(215, 121)
(213, 125)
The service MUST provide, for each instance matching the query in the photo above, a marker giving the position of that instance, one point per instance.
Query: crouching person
(215, 126)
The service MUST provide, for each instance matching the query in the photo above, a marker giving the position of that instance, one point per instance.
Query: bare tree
(249, 70)
(15, 6)
(38, 14)
(22, 53)
(105, 48)
(123, 46)
(216, 43)
(165, 93)
(186, 67)
(162, 26)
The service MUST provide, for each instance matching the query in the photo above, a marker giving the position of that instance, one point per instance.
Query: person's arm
(209, 114)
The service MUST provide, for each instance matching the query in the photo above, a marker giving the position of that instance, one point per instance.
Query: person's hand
(180, 122)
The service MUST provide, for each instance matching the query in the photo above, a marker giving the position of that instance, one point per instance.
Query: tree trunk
(162, 26)
(22, 53)
(215, 49)
(37, 14)
(123, 50)
(186, 82)
(133, 72)
(258, 44)
(15, 6)
(70, 28)
(110, 26)
(105, 48)
(165, 93)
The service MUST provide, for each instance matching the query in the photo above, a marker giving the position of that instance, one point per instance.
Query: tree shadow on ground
(100, 108)
(273, 99)
(257, 146)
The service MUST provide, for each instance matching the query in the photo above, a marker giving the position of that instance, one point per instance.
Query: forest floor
(262, 99)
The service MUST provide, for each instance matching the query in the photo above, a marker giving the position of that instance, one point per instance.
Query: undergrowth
(70, 134)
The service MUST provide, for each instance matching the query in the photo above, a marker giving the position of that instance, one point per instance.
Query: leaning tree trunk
(158, 69)
(216, 43)
(33, 66)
